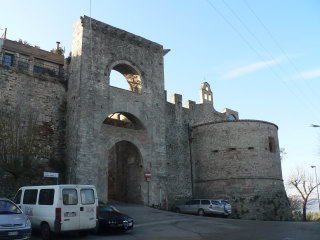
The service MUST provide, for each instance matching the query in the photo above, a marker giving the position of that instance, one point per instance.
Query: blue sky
(261, 57)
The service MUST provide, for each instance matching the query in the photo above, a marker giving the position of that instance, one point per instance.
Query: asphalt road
(153, 224)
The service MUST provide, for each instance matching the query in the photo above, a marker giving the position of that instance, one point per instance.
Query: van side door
(88, 208)
(70, 209)
(46, 210)
(29, 203)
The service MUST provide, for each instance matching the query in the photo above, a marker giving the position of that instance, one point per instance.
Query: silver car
(205, 206)
(14, 224)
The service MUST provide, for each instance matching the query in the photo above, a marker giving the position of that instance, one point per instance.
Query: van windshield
(6, 207)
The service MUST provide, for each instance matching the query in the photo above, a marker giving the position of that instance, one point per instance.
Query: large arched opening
(131, 75)
(125, 173)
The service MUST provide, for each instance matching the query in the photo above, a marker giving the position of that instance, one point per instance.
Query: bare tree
(282, 153)
(304, 184)
(18, 133)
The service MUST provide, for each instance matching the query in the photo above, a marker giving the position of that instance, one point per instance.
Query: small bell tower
(205, 93)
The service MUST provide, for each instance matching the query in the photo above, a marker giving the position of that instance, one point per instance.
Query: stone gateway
(114, 136)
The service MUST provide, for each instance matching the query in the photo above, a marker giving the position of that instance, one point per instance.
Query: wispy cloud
(314, 73)
(252, 68)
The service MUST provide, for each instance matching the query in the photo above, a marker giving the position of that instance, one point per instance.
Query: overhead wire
(258, 54)
(281, 49)
(266, 50)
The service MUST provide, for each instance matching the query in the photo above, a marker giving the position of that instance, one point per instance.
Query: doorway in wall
(125, 173)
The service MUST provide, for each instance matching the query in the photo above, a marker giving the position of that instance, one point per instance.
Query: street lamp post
(315, 171)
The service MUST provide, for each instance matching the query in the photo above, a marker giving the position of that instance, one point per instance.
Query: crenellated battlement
(190, 104)
(204, 111)
(205, 97)
(176, 99)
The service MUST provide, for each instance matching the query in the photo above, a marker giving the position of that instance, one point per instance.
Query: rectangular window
(70, 196)
(272, 145)
(46, 197)
(205, 202)
(8, 59)
(87, 196)
(30, 196)
(17, 198)
(38, 69)
(195, 202)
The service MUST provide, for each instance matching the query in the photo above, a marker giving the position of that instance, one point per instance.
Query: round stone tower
(240, 161)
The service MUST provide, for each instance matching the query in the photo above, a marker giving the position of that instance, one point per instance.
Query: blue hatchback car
(14, 224)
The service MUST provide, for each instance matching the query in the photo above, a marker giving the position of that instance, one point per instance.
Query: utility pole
(315, 171)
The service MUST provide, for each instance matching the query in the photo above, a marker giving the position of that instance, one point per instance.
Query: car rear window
(70, 196)
(87, 196)
(30, 196)
(46, 197)
(215, 202)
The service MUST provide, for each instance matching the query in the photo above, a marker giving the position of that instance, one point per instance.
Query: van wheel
(200, 212)
(45, 231)
(177, 210)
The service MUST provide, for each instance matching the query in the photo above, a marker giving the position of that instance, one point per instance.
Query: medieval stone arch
(130, 72)
(122, 134)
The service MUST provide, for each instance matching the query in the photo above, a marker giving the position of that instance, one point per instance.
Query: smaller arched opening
(124, 120)
(130, 74)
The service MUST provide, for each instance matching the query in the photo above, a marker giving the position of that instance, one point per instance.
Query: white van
(59, 208)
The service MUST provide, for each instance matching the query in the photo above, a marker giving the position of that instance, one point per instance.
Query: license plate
(70, 214)
(12, 233)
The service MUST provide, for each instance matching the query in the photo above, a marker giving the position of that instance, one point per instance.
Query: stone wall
(45, 97)
(179, 122)
(240, 161)
(179, 178)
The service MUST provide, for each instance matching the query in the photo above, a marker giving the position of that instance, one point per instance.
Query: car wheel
(45, 231)
(178, 210)
(122, 230)
(96, 230)
(200, 212)
(83, 233)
